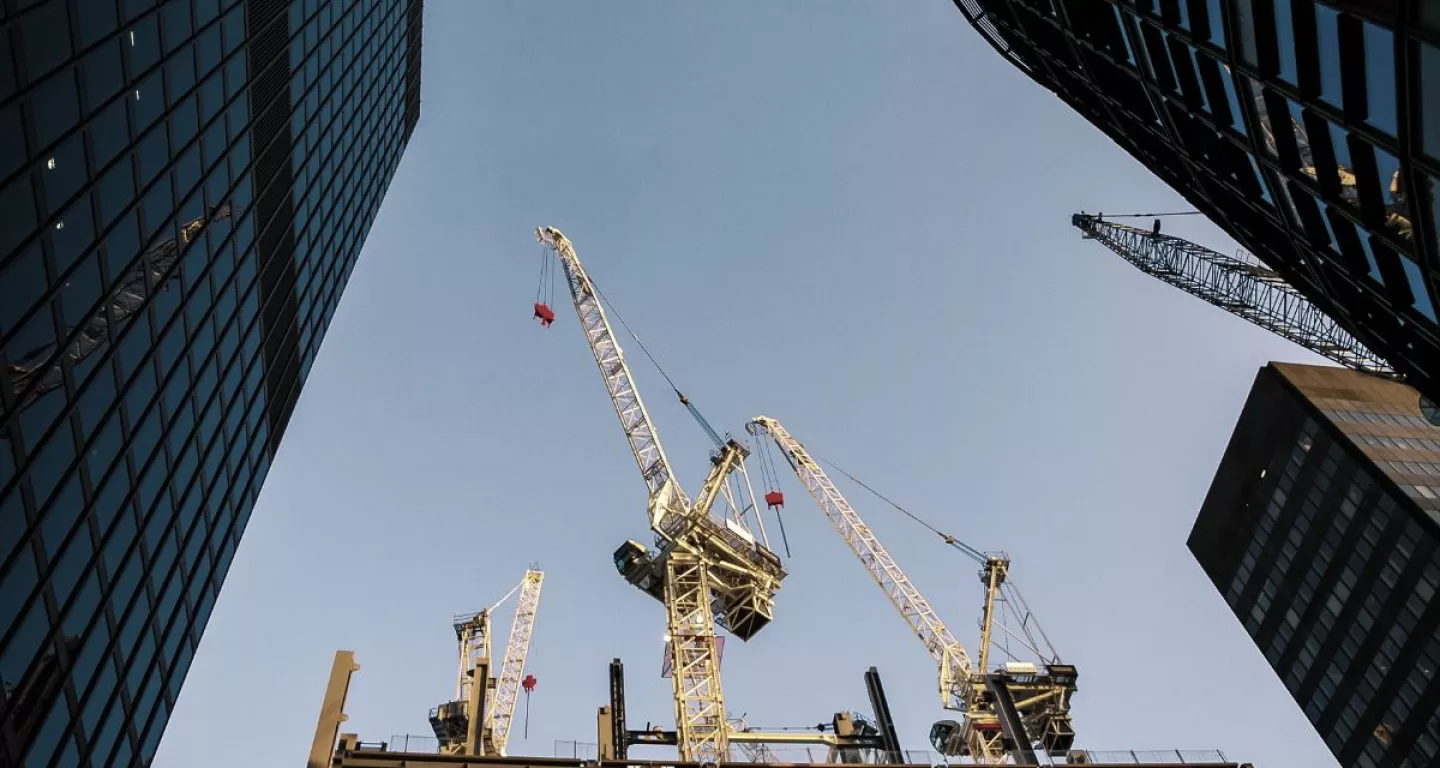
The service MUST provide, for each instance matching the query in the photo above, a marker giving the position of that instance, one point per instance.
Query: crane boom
(512, 669)
(948, 652)
(667, 500)
(1240, 285)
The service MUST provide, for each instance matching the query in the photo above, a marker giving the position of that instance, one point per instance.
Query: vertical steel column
(699, 703)
(332, 709)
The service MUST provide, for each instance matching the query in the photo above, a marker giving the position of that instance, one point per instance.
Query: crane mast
(512, 669)
(1027, 700)
(706, 572)
(1240, 285)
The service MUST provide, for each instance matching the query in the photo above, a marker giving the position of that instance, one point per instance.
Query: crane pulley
(1025, 699)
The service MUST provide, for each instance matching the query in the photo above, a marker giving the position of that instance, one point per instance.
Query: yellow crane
(706, 570)
(1024, 700)
(477, 721)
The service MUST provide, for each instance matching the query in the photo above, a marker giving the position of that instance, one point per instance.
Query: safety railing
(1157, 756)
(406, 742)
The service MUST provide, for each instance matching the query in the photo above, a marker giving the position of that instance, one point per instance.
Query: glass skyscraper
(1321, 532)
(184, 188)
(1308, 129)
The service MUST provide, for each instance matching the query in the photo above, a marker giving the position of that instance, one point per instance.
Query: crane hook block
(544, 314)
(775, 499)
(529, 683)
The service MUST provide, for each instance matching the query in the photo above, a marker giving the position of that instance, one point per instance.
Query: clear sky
(853, 216)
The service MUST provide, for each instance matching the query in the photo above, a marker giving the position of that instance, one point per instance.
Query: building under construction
(711, 566)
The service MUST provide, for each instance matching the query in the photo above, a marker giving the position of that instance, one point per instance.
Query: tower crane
(1005, 710)
(477, 721)
(36, 367)
(705, 571)
(1239, 284)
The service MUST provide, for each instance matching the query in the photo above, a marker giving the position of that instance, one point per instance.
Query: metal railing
(1157, 756)
(406, 742)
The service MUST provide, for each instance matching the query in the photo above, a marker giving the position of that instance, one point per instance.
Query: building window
(1260, 179)
(1216, 22)
(1380, 78)
(1327, 28)
(1237, 115)
(1285, 41)
(1430, 98)
(1245, 22)
(1418, 287)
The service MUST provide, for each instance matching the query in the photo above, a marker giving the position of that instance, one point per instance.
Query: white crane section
(667, 500)
(949, 654)
(501, 713)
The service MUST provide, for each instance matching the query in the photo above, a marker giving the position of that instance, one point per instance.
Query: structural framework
(1239, 284)
(706, 570)
(477, 721)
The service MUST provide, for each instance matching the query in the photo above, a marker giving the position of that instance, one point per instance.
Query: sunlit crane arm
(949, 654)
(512, 670)
(667, 500)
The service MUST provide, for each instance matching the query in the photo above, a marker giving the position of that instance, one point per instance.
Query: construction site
(1004, 697)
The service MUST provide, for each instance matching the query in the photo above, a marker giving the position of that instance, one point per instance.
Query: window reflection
(1392, 193)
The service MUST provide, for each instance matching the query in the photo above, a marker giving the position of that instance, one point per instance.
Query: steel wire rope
(972, 552)
(1145, 215)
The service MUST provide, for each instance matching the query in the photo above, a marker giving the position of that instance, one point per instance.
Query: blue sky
(853, 216)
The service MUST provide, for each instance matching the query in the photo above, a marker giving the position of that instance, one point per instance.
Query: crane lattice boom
(512, 670)
(948, 652)
(1240, 285)
(668, 502)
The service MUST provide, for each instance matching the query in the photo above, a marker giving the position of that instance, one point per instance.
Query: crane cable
(695, 412)
(1145, 215)
(970, 551)
(770, 475)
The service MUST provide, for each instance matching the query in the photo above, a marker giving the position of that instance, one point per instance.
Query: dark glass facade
(1321, 531)
(184, 188)
(1308, 129)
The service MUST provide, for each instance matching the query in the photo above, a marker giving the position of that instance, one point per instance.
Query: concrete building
(1321, 531)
